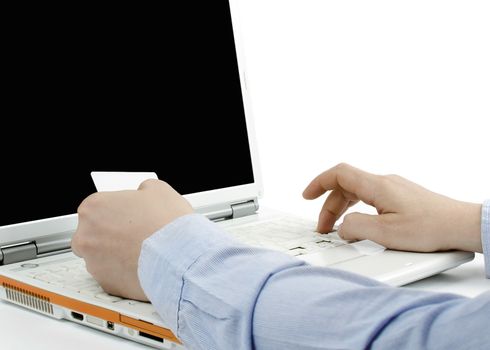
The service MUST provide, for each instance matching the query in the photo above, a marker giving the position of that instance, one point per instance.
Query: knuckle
(349, 222)
(89, 203)
(384, 183)
(148, 183)
(393, 177)
(75, 245)
(343, 166)
(388, 183)
(80, 244)
(82, 210)
(348, 218)
(163, 185)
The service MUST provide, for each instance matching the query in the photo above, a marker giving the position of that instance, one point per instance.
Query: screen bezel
(28, 231)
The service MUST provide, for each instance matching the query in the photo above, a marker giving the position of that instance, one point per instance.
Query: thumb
(357, 226)
(149, 183)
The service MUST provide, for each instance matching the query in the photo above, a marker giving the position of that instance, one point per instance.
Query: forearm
(217, 294)
(204, 285)
(339, 311)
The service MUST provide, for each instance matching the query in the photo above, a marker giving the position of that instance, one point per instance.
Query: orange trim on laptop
(93, 310)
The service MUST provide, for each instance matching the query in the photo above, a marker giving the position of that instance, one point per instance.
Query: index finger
(346, 178)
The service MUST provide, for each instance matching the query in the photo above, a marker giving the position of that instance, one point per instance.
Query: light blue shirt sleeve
(215, 293)
(485, 235)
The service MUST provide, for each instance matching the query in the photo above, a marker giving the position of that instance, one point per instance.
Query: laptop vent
(28, 299)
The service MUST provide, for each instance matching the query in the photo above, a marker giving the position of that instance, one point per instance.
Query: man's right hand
(410, 217)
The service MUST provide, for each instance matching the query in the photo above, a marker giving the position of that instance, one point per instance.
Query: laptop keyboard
(292, 236)
(72, 275)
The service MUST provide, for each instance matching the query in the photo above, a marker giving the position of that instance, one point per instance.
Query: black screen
(128, 90)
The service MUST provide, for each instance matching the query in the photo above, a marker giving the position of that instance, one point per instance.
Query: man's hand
(410, 217)
(112, 227)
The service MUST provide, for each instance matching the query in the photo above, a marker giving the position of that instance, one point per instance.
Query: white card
(119, 181)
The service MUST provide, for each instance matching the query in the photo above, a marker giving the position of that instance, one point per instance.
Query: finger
(76, 242)
(357, 226)
(350, 179)
(150, 183)
(335, 205)
(74, 246)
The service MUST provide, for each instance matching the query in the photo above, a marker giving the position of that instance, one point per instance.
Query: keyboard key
(284, 234)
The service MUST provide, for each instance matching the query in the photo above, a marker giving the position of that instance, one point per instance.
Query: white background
(388, 86)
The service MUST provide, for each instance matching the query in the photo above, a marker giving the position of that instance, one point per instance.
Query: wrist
(467, 233)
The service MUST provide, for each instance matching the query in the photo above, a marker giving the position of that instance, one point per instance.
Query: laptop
(167, 98)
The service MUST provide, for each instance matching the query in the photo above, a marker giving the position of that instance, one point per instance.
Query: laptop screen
(154, 93)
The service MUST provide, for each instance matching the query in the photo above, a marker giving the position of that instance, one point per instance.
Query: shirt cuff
(167, 255)
(485, 235)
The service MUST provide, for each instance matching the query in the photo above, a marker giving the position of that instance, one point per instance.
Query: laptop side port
(149, 336)
(77, 316)
(110, 325)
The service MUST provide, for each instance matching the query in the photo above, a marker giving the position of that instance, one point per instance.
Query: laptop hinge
(243, 209)
(54, 244)
(43, 246)
(13, 253)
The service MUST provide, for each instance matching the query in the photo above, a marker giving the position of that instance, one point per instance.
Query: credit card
(119, 181)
